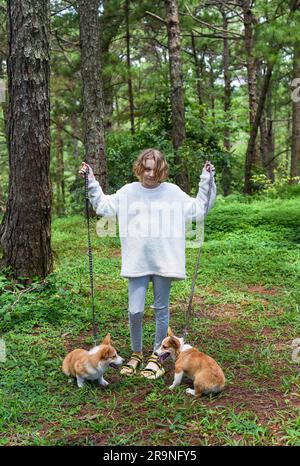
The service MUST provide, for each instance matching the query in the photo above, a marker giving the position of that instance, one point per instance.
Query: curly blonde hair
(161, 165)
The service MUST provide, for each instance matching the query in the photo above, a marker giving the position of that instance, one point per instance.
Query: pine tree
(26, 228)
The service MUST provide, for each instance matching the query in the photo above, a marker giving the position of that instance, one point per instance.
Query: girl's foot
(154, 368)
(131, 367)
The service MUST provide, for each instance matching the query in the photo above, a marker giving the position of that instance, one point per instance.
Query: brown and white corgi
(207, 375)
(91, 365)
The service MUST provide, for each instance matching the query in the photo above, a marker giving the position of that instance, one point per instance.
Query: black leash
(90, 256)
(189, 308)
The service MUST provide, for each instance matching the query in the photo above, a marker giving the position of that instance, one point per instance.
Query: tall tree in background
(226, 172)
(251, 155)
(129, 80)
(110, 21)
(93, 107)
(25, 233)
(295, 153)
(198, 72)
(248, 188)
(267, 147)
(60, 185)
(3, 105)
(177, 98)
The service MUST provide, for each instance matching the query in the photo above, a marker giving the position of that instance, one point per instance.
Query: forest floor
(246, 316)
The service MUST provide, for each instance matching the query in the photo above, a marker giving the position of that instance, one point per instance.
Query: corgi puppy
(91, 365)
(207, 375)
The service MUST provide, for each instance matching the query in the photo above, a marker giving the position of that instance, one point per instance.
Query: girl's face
(148, 177)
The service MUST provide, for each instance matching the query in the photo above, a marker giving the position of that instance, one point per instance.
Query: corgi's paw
(171, 387)
(189, 391)
(103, 383)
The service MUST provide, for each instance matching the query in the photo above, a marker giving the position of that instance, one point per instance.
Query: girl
(152, 216)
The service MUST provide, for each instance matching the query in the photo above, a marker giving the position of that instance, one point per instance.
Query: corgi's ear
(174, 342)
(106, 340)
(104, 354)
(170, 333)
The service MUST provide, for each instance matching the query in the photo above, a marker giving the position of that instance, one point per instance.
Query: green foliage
(283, 187)
(282, 217)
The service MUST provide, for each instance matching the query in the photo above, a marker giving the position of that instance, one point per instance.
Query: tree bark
(212, 87)
(288, 142)
(60, 187)
(129, 79)
(226, 172)
(3, 106)
(74, 126)
(251, 71)
(248, 187)
(295, 154)
(93, 107)
(177, 97)
(198, 73)
(110, 21)
(267, 146)
(25, 233)
(3, 74)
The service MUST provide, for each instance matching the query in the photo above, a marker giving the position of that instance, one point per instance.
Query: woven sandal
(153, 374)
(129, 369)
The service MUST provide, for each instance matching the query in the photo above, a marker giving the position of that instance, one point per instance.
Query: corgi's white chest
(185, 347)
(94, 350)
(92, 372)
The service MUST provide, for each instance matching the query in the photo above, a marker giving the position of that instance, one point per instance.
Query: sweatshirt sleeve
(199, 206)
(106, 205)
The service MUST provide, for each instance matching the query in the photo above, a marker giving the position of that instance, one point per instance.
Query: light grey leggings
(137, 288)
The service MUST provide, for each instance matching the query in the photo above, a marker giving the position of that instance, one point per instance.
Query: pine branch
(210, 26)
(70, 133)
(155, 16)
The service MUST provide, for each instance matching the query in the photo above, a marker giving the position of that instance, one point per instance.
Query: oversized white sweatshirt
(152, 223)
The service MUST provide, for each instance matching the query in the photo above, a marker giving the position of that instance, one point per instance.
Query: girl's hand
(84, 168)
(209, 167)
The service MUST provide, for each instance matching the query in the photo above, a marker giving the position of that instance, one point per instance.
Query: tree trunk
(26, 228)
(251, 72)
(295, 155)
(248, 188)
(110, 21)
(267, 146)
(129, 79)
(60, 188)
(3, 102)
(177, 98)
(93, 107)
(212, 87)
(118, 116)
(288, 142)
(271, 149)
(3, 105)
(198, 72)
(74, 126)
(226, 171)
(108, 101)
(263, 139)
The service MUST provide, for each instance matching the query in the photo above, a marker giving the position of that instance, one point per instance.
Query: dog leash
(90, 256)
(188, 312)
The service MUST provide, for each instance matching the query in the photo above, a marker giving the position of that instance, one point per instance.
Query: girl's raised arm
(106, 205)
